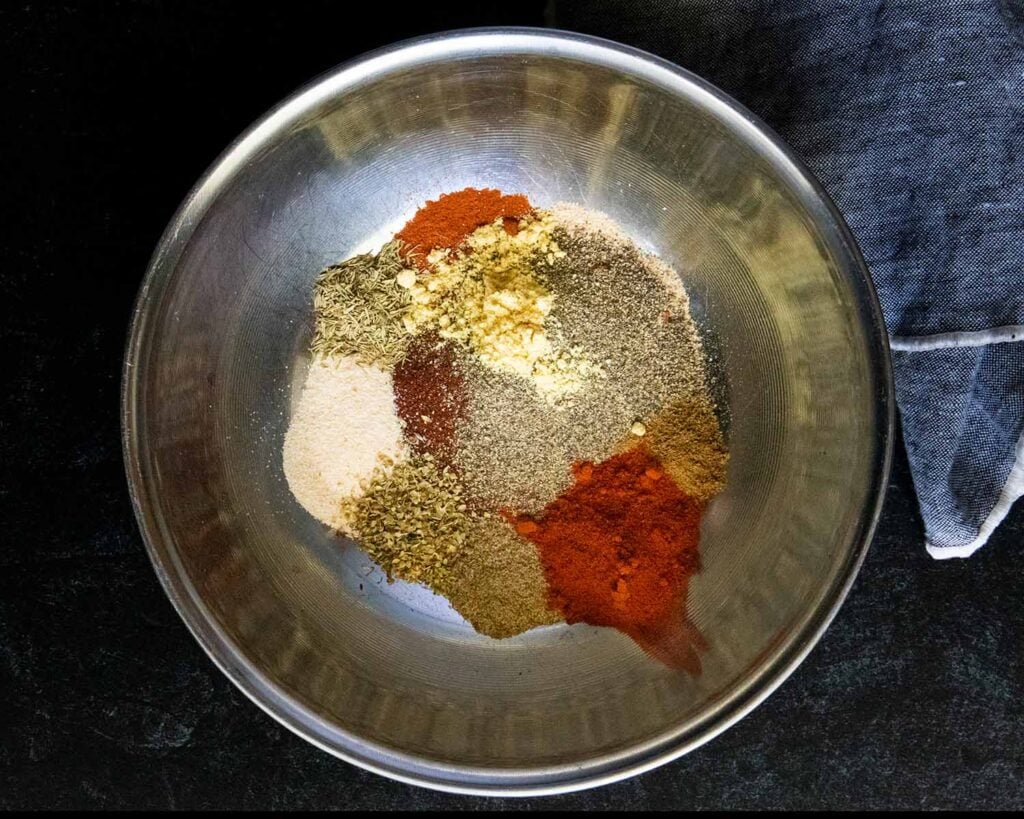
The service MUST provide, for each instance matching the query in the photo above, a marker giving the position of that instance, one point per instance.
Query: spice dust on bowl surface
(509, 448)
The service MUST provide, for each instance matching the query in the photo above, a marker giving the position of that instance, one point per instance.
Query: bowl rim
(412, 768)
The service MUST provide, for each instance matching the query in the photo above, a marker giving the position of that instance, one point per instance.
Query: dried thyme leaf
(358, 308)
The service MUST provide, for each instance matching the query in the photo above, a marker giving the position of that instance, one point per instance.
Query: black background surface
(914, 697)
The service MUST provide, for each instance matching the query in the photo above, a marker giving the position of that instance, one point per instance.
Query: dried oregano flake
(412, 521)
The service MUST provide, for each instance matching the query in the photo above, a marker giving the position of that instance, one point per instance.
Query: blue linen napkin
(911, 114)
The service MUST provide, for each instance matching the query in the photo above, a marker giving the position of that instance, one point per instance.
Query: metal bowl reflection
(386, 676)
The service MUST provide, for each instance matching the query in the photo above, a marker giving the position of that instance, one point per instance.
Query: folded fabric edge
(968, 338)
(1013, 489)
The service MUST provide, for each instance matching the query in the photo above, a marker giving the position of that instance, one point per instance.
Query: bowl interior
(387, 675)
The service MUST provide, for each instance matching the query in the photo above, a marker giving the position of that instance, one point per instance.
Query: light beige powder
(344, 427)
(578, 218)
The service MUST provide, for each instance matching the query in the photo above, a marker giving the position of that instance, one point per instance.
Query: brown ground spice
(498, 584)
(430, 397)
(686, 437)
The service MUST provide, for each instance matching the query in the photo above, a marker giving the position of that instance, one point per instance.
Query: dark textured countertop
(913, 698)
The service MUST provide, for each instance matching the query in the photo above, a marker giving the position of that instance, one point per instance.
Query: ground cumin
(498, 583)
(686, 437)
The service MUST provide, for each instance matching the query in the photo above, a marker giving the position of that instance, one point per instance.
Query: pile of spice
(430, 397)
(511, 406)
(446, 222)
(412, 520)
(359, 305)
(343, 431)
(618, 547)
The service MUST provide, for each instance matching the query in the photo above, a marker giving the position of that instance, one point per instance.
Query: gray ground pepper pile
(613, 302)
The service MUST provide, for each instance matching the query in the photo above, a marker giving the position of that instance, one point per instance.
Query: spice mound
(411, 520)
(430, 397)
(343, 430)
(510, 406)
(359, 306)
(618, 547)
(445, 222)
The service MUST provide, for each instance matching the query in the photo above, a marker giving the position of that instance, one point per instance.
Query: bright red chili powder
(617, 548)
(449, 219)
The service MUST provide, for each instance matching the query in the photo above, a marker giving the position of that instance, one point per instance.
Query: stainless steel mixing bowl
(386, 676)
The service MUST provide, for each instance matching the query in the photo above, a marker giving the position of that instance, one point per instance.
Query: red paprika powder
(617, 548)
(449, 219)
